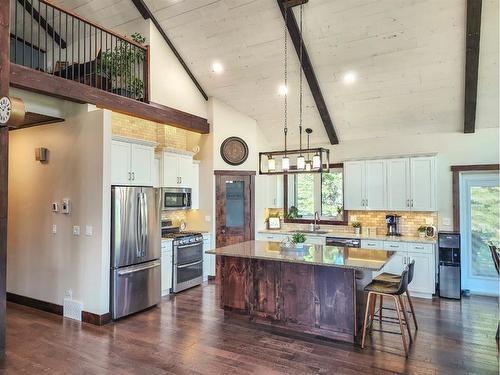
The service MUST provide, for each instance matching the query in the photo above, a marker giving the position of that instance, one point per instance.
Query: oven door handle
(190, 245)
(190, 264)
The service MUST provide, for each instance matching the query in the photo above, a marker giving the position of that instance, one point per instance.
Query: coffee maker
(393, 225)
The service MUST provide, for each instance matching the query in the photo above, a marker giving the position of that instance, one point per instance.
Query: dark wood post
(4, 161)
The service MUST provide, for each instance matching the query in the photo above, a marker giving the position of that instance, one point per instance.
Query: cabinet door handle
(394, 246)
(419, 247)
(407, 203)
(133, 176)
(180, 179)
(412, 202)
(129, 176)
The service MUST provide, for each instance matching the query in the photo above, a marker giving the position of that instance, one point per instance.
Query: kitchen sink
(314, 231)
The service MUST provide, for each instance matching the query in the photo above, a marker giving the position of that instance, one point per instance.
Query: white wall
(170, 84)
(43, 265)
(451, 148)
(227, 122)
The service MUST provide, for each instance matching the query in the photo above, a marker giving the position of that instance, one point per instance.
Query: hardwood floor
(189, 335)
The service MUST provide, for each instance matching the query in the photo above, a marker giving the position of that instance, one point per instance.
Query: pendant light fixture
(285, 161)
(294, 161)
(301, 160)
(308, 162)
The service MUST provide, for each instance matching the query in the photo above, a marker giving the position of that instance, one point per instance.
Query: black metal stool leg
(412, 309)
(398, 310)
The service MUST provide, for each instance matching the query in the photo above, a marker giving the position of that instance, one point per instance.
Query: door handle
(137, 269)
(138, 229)
(190, 264)
(188, 246)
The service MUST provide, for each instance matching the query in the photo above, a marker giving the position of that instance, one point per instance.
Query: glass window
(315, 192)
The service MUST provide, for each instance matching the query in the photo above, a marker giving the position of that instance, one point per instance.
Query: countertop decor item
(274, 223)
(357, 227)
(234, 151)
(422, 231)
(298, 239)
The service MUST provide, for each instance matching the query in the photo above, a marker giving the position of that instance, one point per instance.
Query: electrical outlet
(354, 218)
(429, 221)
(76, 230)
(446, 221)
(208, 218)
(54, 229)
(89, 230)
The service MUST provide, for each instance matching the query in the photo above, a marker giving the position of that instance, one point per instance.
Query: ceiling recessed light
(283, 90)
(217, 67)
(350, 77)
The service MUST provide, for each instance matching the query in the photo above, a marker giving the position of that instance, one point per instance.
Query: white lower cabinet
(423, 283)
(166, 270)
(208, 259)
(315, 240)
(271, 237)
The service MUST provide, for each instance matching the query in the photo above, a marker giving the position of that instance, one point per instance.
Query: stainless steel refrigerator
(135, 249)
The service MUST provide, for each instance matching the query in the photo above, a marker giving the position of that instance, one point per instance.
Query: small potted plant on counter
(298, 239)
(422, 230)
(357, 227)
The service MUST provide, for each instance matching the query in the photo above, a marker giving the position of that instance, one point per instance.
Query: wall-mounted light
(41, 154)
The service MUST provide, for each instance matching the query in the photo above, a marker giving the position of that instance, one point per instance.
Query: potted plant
(122, 65)
(422, 230)
(357, 227)
(298, 239)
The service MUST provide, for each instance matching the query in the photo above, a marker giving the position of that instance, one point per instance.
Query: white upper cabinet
(132, 163)
(142, 164)
(423, 184)
(398, 184)
(375, 185)
(274, 190)
(120, 163)
(354, 185)
(177, 170)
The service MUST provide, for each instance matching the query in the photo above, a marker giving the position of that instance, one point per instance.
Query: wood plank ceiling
(409, 57)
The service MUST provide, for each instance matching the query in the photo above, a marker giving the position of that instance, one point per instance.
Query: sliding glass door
(479, 224)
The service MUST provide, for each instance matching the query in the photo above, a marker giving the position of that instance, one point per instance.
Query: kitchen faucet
(316, 219)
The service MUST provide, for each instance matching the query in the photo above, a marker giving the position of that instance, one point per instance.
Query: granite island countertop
(362, 236)
(319, 255)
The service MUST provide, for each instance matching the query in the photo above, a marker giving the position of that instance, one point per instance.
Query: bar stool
(393, 278)
(394, 291)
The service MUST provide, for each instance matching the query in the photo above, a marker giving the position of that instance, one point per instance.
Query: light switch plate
(76, 230)
(89, 230)
(54, 229)
(208, 218)
(446, 221)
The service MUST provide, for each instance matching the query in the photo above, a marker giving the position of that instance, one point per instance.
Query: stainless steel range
(188, 258)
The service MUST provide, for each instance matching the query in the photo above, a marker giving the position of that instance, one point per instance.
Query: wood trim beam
(147, 14)
(456, 170)
(47, 84)
(4, 162)
(294, 31)
(472, 42)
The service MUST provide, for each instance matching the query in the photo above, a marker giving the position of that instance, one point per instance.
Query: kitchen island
(315, 291)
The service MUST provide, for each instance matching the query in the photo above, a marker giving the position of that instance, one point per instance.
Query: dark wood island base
(293, 297)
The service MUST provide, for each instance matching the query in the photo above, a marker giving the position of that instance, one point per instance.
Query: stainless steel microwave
(176, 199)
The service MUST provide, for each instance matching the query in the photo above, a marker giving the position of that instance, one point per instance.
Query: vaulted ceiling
(408, 55)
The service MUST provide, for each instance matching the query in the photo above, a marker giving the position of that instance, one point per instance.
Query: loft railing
(48, 38)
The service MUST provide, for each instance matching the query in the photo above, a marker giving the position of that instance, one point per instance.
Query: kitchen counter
(318, 255)
(362, 236)
(318, 291)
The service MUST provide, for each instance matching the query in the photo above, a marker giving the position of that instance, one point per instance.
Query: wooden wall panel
(4, 161)
(265, 288)
(299, 297)
(335, 288)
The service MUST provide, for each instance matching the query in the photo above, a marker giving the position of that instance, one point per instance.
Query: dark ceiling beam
(293, 3)
(294, 31)
(472, 42)
(43, 23)
(147, 14)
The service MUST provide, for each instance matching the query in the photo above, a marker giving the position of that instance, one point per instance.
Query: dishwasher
(343, 242)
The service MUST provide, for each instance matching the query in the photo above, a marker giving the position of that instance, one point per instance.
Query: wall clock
(234, 151)
(12, 111)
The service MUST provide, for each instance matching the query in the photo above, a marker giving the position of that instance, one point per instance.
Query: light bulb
(285, 163)
(217, 67)
(283, 90)
(271, 164)
(301, 163)
(350, 78)
(316, 162)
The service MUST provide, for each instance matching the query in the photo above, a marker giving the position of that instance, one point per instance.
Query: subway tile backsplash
(370, 219)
